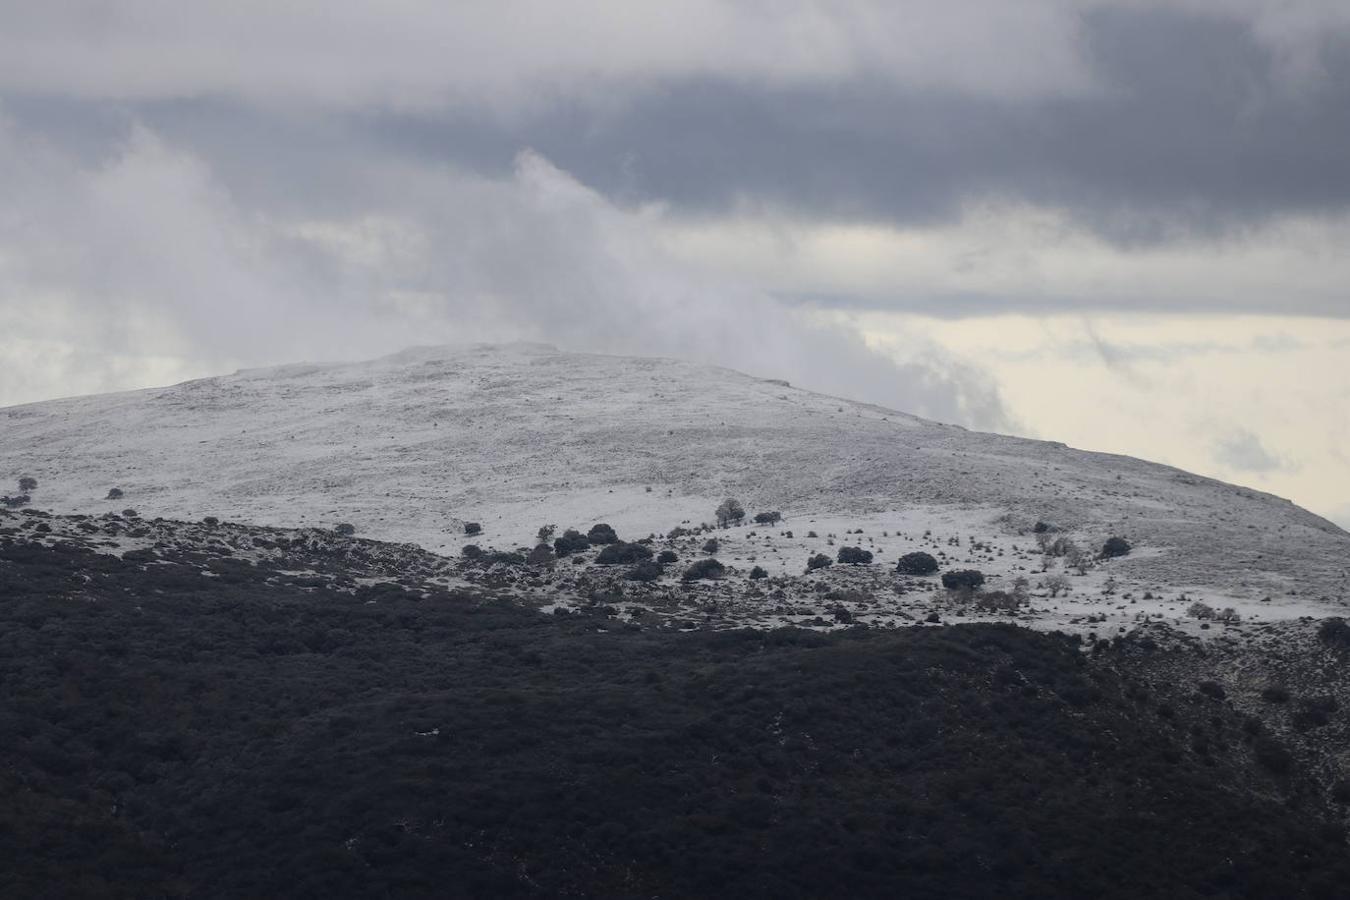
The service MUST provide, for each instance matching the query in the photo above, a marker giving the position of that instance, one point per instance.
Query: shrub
(919, 563)
(855, 556)
(1334, 632)
(1212, 689)
(711, 546)
(346, 529)
(768, 518)
(1272, 755)
(998, 602)
(704, 568)
(1116, 546)
(541, 555)
(16, 502)
(622, 552)
(130, 513)
(27, 483)
(212, 522)
(601, 534)
(646, 570)
(114, 494)
(819, 561)
(667, 556)
(1275, 693)
(757, 573)
(572, 541)
(472, 528)
(505, 557)
(1056, 584)
(957, 579)
(1228, 616)
(1198, 610)
(730, 511)
(472, 551)
(1043, 527)
(546, 532)
(1314, 712)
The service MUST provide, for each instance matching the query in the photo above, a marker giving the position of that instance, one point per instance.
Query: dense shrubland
(255, 733)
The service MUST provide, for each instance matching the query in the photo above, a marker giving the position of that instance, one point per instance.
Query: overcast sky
(1122, 224)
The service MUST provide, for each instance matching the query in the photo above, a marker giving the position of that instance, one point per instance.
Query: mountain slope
(411, 446)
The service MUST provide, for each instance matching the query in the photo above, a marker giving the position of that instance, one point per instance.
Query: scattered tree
(471, 551)
(541, 555)
(601, 534)
(345, 529)
(1115, 546)
(768, 518)
(667, 556)
(646, 570)
(819, 561)
(757, 573)
(730, 511)
(472, 528)
(572, 541)
(969, 579)
(27, 483)
(1056, 584)
(711, 546)
(1198, 610)
(114, 494)
(622, 552)
(855, 556)
(918, 563)
(546, 532)
(704, 568)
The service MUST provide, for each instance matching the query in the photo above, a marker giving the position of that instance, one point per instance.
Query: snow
(409, 447)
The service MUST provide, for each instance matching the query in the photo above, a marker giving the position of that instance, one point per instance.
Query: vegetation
(27, 484)
(729, 512)
(819, 561)
(711, 546)
(768, 518)
(346, 529)
(855, 556)
(621, 553)
(251, 734)
(704, 568)
(1115, 546)
(115, 494)
(572, 541)
(601, 534)
(758, 573)
(962, 579)
(472, 528)
(646, 570)
(917, 563)
(667, 556)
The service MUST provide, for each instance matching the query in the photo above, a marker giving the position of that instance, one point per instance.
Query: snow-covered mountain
(411, 446)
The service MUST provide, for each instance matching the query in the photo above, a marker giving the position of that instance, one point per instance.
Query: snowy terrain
(410, 447)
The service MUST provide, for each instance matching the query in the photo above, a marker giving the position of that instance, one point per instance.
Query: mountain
(276, 660)
(410, 447)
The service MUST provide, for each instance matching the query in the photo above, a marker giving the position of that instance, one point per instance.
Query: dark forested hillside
(176, 726)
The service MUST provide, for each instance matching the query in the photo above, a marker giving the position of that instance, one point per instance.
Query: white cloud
(147, 256)
(509, 53)
(1001, 254)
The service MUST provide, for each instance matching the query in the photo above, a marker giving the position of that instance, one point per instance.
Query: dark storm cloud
(1195, 129)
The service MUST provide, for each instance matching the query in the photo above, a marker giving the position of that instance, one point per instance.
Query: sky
(1120, 224)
